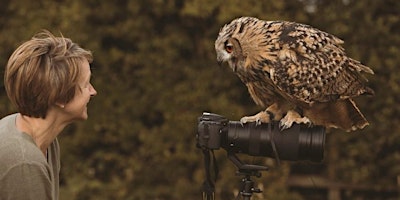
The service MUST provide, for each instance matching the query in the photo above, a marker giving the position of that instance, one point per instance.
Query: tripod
(247, 185)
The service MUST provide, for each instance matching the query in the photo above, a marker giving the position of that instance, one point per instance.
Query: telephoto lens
(299, 142)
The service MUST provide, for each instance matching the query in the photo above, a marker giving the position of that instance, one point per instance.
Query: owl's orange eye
(229, 48)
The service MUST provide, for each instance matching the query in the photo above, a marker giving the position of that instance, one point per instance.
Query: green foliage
(155, 73)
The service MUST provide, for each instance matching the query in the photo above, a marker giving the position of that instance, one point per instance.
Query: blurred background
(155, 72)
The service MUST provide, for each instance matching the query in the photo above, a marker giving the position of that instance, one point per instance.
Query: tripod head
(247, 185)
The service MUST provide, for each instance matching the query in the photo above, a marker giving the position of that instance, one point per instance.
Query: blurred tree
(155, 73)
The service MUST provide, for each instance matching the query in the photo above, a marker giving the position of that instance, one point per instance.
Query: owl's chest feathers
(254, 74)
(260, 86)
(257, 69)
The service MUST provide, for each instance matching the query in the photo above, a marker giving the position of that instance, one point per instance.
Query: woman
(48, 80)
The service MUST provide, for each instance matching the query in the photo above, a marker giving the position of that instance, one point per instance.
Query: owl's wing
(313, 67)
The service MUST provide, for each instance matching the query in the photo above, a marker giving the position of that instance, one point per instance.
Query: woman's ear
(60, 105)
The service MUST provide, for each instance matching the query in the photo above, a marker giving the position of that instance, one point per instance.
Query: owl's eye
(229, 47)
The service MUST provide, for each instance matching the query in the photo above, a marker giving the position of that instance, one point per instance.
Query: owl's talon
(285, 125)
(258, 122)
(293, 117)
(259, 118)
(243, 121)
(309, 124)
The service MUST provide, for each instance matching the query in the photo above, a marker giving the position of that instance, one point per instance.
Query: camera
(299, 142)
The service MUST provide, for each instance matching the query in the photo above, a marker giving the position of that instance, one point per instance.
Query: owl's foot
(293, 117)
(261, 117)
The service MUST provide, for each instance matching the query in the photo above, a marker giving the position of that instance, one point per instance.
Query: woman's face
(76, 109)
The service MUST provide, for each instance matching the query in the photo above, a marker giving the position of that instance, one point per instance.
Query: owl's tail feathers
(342, 114)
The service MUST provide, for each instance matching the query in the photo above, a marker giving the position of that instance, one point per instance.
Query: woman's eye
(86, 85)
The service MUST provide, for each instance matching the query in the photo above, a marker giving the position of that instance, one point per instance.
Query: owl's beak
(219, 62)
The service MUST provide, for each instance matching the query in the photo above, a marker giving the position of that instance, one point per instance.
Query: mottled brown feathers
(289, 63)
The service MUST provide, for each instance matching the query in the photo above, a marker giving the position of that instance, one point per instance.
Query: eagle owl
(298, 73)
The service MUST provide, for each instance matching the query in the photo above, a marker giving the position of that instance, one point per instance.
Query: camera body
(299, 142)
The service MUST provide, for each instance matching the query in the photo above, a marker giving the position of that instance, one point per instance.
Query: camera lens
(299, 142)
(311, 143)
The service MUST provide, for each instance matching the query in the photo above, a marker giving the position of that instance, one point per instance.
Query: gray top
(25, 173)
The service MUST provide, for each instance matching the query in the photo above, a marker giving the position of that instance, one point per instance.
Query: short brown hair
(42, 72)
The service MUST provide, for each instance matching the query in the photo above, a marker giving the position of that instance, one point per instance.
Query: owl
(297, 73)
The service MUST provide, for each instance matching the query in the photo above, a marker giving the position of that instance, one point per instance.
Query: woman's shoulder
(17, 148)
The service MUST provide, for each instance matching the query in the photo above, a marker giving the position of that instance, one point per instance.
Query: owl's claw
(259, 118)
(293, 117)
(285, 125)
(243, 120)
(258, 122)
